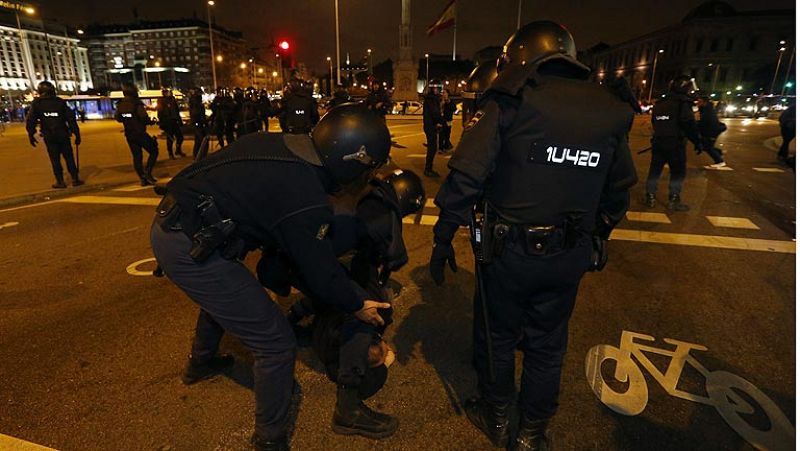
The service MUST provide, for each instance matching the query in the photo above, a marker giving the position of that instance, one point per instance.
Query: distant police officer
(222, 123)
(242, 198)
(197, 116)
(169, 121)
(131, 112)
(299, 108)
(552, 192)
(673, 123)
(56, 122)
(378, 99)
(339, 97)
(432, 123)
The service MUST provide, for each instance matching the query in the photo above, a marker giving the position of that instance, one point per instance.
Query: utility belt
(490, 235)
(215, 231)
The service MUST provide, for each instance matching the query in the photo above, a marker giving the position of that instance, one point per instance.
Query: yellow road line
(424, 220)
(642, 216)
(131, 188)
(8, 443)
(719, 242)
(112, 200)
(734, 223)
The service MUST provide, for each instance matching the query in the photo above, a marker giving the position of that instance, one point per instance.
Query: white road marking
(427, 220)
(641, 216)
(422, 155)
(133, 270)
(408, 136)
(27, 206)
(131, 188)
(112, 200)
(14, 444)
(768, 170)
(724, 168)
(8, 224)
(734, 223)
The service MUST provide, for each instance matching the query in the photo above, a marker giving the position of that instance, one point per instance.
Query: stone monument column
(405, 69)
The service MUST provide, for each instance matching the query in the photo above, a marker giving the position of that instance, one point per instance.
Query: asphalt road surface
(91, 352)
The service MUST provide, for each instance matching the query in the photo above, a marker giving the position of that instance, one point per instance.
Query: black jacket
(432, 112)
(131, 112)
(55, 119)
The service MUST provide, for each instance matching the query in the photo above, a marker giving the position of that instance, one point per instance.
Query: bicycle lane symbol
(720, 387)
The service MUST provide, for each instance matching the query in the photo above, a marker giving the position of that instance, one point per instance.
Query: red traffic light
(284, 45)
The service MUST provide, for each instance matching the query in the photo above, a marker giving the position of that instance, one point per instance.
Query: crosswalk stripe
(724, 168)
(734, 223)
(14, 444)
(641, 216)
(112, 200)
(720, 242)
(768, 170)
(424, 220)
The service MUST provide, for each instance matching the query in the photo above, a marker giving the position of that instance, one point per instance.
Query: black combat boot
(149, 177)
(492, 420)
(532, 435)
(650, 200)
(353, 417)
(196, 372)
(59, 184)
(76, 181)
(260, 444)
(675, 203)
(430, 173)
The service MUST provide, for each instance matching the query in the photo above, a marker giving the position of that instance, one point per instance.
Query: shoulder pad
(511, 80)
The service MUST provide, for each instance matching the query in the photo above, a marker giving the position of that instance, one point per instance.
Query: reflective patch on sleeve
(323, 231)
(474, 121)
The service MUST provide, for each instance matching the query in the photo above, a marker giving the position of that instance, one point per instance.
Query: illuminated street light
(274, 73)
(427, 69)
(242, 66)
(211, 42)
(369, 54)
(29, 10)
(653, 76)
(219, 58)
(738, 87)
(80, 31)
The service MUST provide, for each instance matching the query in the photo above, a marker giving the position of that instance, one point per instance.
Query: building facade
(35, 53)
(173, 53)
(725, 50)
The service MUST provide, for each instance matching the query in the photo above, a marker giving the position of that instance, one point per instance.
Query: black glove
(32, 140)
(77, 140)
(599, 254)
(442, 252)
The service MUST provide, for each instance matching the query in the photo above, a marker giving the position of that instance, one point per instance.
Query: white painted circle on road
(133, 268)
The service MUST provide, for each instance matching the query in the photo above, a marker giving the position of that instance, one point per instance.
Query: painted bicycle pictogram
(722, 388)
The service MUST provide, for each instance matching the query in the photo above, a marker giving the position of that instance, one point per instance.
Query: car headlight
(749, 108)
(730, 108)
(763, 108)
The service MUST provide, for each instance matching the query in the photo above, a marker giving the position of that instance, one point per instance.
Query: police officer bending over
(244, 197)
(550, 191)
(56, 122)
(354, 353)
(131, 112)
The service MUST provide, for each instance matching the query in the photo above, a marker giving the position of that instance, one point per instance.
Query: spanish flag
(445, 20)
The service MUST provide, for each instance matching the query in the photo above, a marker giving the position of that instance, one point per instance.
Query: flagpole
(455, 27)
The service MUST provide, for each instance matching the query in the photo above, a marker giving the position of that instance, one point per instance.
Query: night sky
(309, 24)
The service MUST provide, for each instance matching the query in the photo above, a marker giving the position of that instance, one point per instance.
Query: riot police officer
(478, 82)
(197, 116)
(339, 97)
(222, 109)
(432, 123)
(247, 118)
(131, 112)
(56, 123)
(551, 195)
(378, 99)
(673, 123)
(299, 108)
(169, 121)
(209, 220)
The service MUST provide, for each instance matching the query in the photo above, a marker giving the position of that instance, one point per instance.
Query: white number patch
(565, 155)
(53, 114)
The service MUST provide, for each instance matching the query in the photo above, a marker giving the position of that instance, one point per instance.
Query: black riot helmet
(166, 92)
(480, 79)
(535, 41)
(351, 140)
(682, 84)
(130, 90)
(46, 89)
(408, 188)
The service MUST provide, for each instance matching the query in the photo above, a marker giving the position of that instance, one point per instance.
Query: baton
(644, 150)
(78, 157)
(484, 306)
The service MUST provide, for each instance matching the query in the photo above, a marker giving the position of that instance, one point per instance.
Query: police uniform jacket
(545, 146)
(300, 111)
(673, 121)
(197, 111)
(432, 112)
(56, 120)
(168, 114)
(277, 201)
(131, 112)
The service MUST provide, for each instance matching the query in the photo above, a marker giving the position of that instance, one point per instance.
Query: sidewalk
(105, 161)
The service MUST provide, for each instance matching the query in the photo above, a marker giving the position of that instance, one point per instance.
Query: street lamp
(338, 57)
(26, 57)
(777, 66)
(369, 53)
(211, 41)
(330, 69)
(427, 69)
(653, 77)
(716, 76)
(786, 83)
